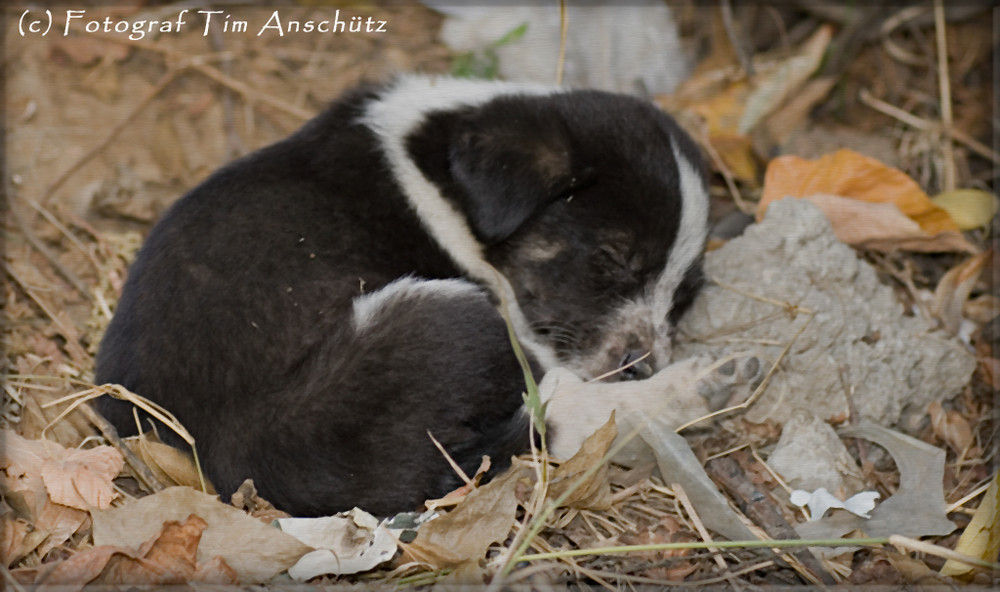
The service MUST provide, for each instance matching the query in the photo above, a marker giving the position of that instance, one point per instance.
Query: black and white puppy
(312, 311)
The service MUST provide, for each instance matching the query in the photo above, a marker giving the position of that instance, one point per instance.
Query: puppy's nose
(635, 366)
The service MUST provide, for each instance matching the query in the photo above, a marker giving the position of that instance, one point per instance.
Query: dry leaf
(595, 492)
(950, 427)
(952, 292)
(969, 208)
(171, 465)
(255, 551)
(60, 522)
(848, 174)
(12, 538)
(168, 558)
(246, 499)
(881, 226)
(484, 517)
(22, 463)
(981, 537)
(732, 106)
(82, 478)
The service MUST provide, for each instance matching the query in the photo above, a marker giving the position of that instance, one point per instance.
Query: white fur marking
(396, 114)
(367, 307)
(687, 247)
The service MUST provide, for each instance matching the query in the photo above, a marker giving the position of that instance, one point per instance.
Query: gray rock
(790, 271)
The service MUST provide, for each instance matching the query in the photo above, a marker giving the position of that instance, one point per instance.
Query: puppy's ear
(510, 170)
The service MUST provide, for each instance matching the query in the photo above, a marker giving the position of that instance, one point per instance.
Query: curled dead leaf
(952, 292)
(171, 465)
(950, 427)
(484, 517)
(854, 177)
(594, 491)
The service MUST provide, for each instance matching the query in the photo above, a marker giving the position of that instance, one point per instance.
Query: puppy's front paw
(732, 382)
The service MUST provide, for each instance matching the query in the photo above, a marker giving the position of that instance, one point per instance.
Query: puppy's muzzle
(636, 365)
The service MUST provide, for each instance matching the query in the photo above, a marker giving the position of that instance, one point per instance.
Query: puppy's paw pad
(731, 382)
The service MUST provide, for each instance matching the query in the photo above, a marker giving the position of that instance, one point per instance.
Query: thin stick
(929, 126)
(73, 347)
(14, 584)
(563, 31)
(925, 547)
(141, 470)
(36, 244)
(702, 531)
(707, 546)
(944, 84)
(451, 461)
(250, 95)
(163, 83)
(972, 495)
(760, 388)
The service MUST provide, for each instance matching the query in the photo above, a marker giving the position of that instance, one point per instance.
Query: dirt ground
(103, 133)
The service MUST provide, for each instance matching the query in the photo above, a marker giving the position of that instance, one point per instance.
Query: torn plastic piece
(678, 464)
(822, 500)
(347, 543)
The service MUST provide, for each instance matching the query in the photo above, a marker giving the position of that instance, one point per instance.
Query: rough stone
(788, 279)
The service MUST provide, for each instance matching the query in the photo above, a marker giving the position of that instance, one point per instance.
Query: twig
(925, 547)
(735, 40)
(451, 462)
(163, 83)
(929, 126)
(703, 532)
(14, 584)
(250, 95)
(944, 84)
(727, 175)
(760, 388)
(706, 545)
(760, 508)
(141, 470)
(73, 347)
(62, 270)
(563, 31)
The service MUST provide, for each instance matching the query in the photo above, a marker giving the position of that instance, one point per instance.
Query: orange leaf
(849, 174)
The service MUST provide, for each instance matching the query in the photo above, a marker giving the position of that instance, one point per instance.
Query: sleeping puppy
(311, 312)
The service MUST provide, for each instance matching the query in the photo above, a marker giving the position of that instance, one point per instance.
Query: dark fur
(237, 313)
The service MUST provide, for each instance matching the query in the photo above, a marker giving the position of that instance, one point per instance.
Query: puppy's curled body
(311, 311)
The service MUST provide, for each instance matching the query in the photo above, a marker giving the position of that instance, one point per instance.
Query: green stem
(705, 545)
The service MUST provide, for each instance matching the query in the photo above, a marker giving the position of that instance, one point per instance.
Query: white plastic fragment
(822, 500)
(347, 543)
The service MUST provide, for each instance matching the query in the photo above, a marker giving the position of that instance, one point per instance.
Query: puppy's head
(593, 205)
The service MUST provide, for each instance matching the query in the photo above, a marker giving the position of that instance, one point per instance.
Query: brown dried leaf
(170, 465)
(255, 551)
(82, 478)
(952, 292)
(12, 534)
(168, 558)
(848, 174)
(60, 522)
(595, 492)
(484, 517)
(22, 463)
(950, 427)
(246, 499)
